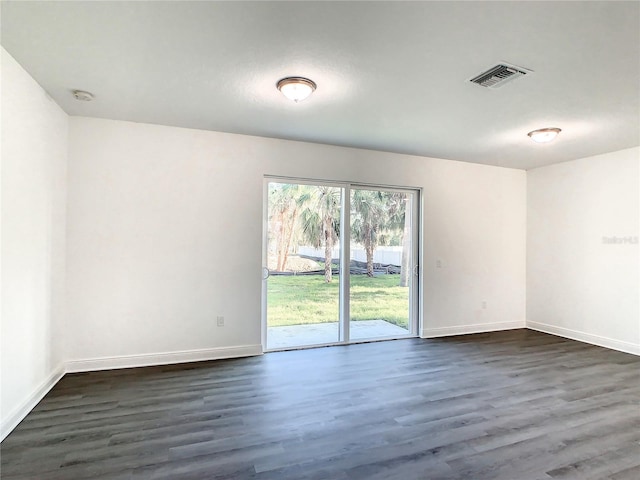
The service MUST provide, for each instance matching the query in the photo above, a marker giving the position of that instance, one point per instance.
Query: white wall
(34, 151)
(149, 208)
(578, 285)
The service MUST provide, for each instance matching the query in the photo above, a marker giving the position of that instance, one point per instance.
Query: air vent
(499, 75)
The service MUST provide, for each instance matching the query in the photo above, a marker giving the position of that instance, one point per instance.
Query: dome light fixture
(544, 135)
(82, 95)
(296, 88)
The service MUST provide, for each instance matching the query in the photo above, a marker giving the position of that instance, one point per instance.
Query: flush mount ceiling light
(296, 88)
(82, 95)
(544, 135)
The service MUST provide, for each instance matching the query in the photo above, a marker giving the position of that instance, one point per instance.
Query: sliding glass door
(339, 263)
(302, 264)
(381, 263)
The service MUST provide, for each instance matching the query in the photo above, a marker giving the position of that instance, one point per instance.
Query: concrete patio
(322, 333)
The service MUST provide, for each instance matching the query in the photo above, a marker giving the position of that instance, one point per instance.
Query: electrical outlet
(484, 304)
(438, 263)
(220, 321)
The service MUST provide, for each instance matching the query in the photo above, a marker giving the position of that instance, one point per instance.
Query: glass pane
(380, 264)
(303, 261)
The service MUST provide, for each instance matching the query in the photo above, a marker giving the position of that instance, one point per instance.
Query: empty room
(320, 240)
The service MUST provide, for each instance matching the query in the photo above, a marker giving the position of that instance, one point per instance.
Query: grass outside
(308, 299)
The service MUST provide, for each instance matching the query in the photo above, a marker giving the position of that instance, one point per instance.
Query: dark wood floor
(515, 405)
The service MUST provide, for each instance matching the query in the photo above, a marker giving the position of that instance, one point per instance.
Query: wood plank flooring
(517, 405)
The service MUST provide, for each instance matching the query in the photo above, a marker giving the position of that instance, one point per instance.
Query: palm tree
(377, 219)
(399, 204)
(320, 218)
(369, 218)
(283, 213)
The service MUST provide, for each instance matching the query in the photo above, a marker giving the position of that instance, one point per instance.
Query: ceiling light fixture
(544, 135)
(82, 95)
(296, 88)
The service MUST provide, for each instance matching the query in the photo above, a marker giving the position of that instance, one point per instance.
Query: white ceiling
(391, 76)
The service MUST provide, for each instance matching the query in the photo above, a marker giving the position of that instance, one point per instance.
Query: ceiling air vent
(499, 75)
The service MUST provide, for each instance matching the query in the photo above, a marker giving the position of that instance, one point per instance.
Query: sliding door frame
(415, 295)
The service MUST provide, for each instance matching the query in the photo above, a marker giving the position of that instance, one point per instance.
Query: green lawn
(304, 299)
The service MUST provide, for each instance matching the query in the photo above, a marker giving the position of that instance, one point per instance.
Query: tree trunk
(369, 250)
(287, 243)
(405, 268)
(280, 263)
(328, 247)
(406, 256)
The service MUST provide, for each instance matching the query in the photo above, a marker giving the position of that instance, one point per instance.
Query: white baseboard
(606, 342)
(467, 329)
(17, 415)
(110, 363)
(147, 360)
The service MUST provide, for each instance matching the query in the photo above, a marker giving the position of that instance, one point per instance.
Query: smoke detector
(497, 76)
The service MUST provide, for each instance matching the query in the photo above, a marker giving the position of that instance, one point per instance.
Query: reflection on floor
(319, 333)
